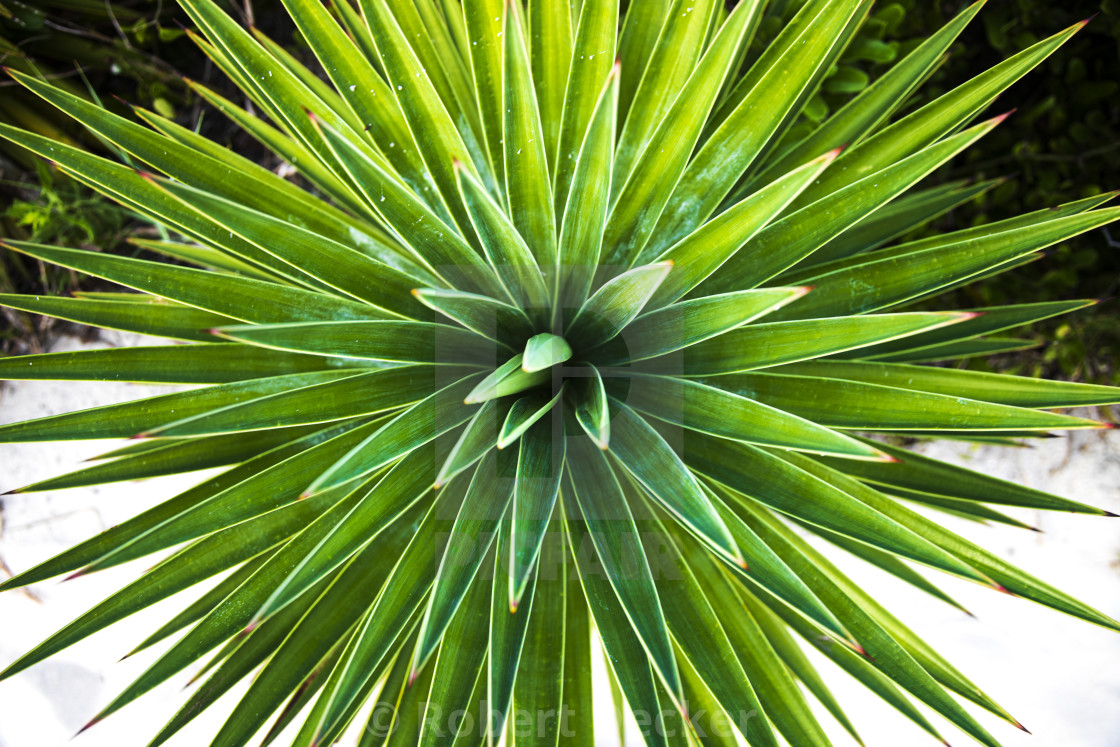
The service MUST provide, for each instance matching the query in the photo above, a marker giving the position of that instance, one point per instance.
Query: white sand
(1058, 675)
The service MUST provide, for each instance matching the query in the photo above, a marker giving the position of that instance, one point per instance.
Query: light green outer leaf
(703, 251)
(214, 169)
(476, 525)
(643, 197)
(1003, 573)
(977, 512)
(793, 238)
(335, 265)
(407, 702)
(508, 627)
(510, 257)
(714, 726)
(923, 474)
(365, 393)
(462, 655)
(1025, 220)
(883, 622)
(791, 655)
(1018, 391)
(875, 103)
(483, 22)
(438, 140)
(697, 631)
(544, 351)
(893, 280)
(653, 463)
(610, 525)
(794, 491)
(739, 138)
(615, 305)
(640, 30)
(539, 686)
(313, 82)
(384, 714)
(781, 699)
(156, 319)
(203, 256)
(593, 57)
(550, 58)
(204, 363)
(577, 689)
(540, 463)
(428, 31)
(334, 622)
(342, 227)
(207, 602)
(849, 404)
(240, 298)
(528, 188)
(218, 626)
(961, 349)
(269, 76)
(626, 653)
(707, 408)
(175, 456)
(99, 548)
(124, 185)
(391, 341)
(416, 426)
(275, 486)
(678, 48)
(884, 652)
(292, 151)
(857, 666)
(885, 561)
(129, 418)
(429, 238)
(494, 320)
(405, 589)
(238, 659)
(192, 564)
(897, 218)
(365, 92)
(687, 323)
(584, 213)
(987, 320)
(934, 120)
(771, 344)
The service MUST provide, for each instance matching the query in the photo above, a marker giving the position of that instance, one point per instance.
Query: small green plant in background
(576, 330)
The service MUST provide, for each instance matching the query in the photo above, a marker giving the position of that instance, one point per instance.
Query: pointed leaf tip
(96, 719)
(999, 119)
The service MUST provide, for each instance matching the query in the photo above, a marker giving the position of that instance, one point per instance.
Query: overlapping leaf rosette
(566, 336)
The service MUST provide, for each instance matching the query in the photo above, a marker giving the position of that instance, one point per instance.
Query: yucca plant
(573, 337)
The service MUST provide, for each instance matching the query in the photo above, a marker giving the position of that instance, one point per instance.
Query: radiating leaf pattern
(568, 346)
